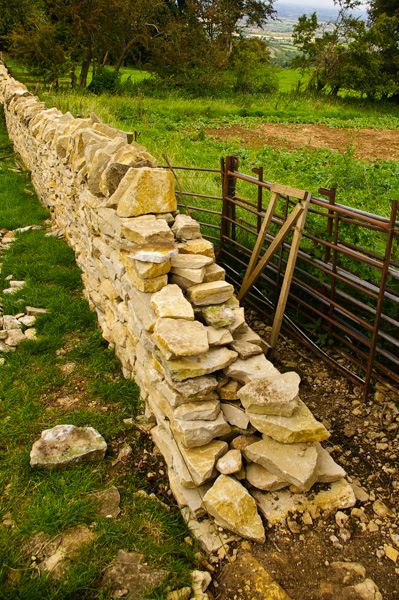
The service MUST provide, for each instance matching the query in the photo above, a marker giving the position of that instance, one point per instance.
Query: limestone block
(327, 469)
(301, 426)
(157, 252)
(195, 389)
(207, 410)
(149, 270)
(180, 337)
(295, 463)
(193, 467)
(99, 163)
(119, 333)
(276, 395)
(110, 224)
(143, 191)
(234, 508)
(14, 337)
(188, 367)
(218, 316)
(192, 498)
(235, 415)
(247, 336)
(218, 337)
(256, 367)
(245, 349)
(277, 506)
(146, 230)
(201, 461)
(214, 273)
(198, 433)
(230, 463)
(147, 285)
(140, 307)
(198, 246)
(214, 292)
(108, 289)
(170, 302)
(192, 275)
(262, 479)
(229, 391)
(186, 228)
(182, 282)
(65, 445)
(190, 261)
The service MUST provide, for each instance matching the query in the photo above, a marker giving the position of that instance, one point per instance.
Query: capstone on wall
(232, 429)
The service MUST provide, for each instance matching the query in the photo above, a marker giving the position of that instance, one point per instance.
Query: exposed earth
(367, 144)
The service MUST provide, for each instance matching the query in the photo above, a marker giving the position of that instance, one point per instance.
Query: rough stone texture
(218, 316)
(66, 445)
(190, 261)
(207, 410)
(170, 302)
(301, 426)
(198, 433)
(186, 228)
(235, 415)
(130, 573)
(230, 463)
(234, 509)
(108, 502)
(156, 252)
(188, 367)
(262, 479)
(256, 367)
(327, 469)
(146, 229)
(277, 506)
(272, 396)
(295, 463)
(179, 337)
(143, 191)
(214, 292)
(54, 554)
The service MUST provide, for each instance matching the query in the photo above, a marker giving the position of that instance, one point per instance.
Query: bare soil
(367, 144)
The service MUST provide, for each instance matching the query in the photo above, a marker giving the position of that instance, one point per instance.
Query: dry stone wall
(232, 429)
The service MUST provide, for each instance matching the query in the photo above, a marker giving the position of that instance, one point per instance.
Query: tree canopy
(351, 53)
(174, 38)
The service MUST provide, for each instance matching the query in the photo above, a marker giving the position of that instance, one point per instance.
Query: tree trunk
(123, 55)
(100, 68)
(74, 79)
(84, 72)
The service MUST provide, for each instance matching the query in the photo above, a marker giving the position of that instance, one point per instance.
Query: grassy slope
(31, 386)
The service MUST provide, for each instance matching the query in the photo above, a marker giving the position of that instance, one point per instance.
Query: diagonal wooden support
(274, 246)
(289, 272)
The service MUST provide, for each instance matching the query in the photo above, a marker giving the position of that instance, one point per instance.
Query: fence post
(331, 195)
(229, 191)
(381, 296)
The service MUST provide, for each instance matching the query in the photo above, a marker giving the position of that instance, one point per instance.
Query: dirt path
(368, 144)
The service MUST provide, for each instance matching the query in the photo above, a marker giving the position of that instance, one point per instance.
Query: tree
(351, 53)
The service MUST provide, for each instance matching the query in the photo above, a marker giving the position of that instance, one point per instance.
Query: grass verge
(68, 375)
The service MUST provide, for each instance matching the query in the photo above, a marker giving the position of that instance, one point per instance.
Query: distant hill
(289, 11)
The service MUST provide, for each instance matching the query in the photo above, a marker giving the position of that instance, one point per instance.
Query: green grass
(31, 386)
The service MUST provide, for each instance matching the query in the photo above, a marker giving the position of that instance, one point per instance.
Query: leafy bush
(105, 81)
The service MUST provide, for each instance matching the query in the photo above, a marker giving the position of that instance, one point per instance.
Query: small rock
(293, 526)
(108, 502)
(381, 509)
(230, 463)
(182, 594)
(391, 553)
(65, 445)
(341, 518)
(130, 573)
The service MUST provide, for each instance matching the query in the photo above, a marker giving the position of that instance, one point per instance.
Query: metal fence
(344, 297)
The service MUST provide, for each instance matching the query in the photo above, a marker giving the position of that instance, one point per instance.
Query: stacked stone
(226, 420)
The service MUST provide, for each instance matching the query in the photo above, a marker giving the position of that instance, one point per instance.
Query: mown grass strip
(36, 394)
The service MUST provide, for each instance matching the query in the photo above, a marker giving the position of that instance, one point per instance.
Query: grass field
(37, 392)
(177, 126)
